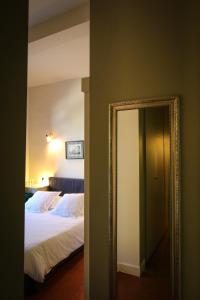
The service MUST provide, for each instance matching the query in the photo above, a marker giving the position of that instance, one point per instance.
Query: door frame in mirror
(173, 102)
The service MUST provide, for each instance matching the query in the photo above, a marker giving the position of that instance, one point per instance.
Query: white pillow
(41, 201)
(70, 205)
(55, 201)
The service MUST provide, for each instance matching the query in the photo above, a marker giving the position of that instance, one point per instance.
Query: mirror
(145, 199)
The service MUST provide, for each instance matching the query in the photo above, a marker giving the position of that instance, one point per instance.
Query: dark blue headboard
(66, 185)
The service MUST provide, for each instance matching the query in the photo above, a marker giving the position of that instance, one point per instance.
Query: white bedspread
(48, 240)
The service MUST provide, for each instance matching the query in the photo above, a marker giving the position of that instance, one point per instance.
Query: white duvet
(48, 240)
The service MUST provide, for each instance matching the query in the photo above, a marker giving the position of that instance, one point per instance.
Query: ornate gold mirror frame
(175, 195)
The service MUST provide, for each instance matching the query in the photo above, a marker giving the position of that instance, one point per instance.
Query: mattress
(49, 239)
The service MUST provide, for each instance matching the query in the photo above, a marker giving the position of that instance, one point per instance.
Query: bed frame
(66, 185)
(31, 286)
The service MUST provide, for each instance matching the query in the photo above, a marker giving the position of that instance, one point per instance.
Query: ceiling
(60, 56)
(42, 10)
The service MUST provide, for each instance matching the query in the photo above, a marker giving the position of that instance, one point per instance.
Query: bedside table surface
(35, 188)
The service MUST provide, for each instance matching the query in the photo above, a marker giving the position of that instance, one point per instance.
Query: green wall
(13, 62)
(144, 49)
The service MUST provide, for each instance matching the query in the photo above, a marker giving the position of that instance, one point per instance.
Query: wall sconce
(49, 137)
(54, 143)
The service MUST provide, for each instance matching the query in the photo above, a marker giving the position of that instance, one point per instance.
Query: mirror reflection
(143, 203)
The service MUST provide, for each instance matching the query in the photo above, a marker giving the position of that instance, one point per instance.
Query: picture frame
(74, 149)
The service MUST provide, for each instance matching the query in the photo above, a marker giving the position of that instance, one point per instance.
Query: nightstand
(35, 188)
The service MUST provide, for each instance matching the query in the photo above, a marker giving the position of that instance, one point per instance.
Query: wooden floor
(67, 282)
(146, 288)
(154, 283)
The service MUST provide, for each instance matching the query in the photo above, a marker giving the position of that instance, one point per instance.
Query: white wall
(27, 142)
(57, 108)
(128, 239)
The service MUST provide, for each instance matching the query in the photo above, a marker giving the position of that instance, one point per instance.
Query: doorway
(145, 200)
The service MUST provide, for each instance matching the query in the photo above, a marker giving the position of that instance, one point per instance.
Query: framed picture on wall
(74, 149)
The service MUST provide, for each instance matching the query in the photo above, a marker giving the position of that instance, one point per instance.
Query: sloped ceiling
(42, 10)
(61, 56)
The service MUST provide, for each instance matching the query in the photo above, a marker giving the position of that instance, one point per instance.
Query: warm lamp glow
(49, 137)
(54, 146)
(44, 180)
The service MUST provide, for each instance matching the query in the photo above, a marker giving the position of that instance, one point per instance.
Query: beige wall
(144, 49)
(128, 223)
(86, 89)
(57, 108)
(142, 174)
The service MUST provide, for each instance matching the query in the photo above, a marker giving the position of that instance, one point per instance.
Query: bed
(50, 239)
